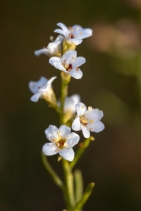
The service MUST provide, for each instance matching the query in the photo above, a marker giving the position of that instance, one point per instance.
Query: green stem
(84, 198)
(52, 173)
(81, 150)
(69, 185)
(64, 92)
(68, 176)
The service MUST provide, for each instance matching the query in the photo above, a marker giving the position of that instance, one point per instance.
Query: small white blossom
(53, 48)
(62, 141)
(41, 89)
(87, 120)
(74, 34)
(69, 106)
(69, 63)
(70, 103)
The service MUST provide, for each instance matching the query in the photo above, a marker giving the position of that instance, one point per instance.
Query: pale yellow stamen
(70, 28)
(89, 108)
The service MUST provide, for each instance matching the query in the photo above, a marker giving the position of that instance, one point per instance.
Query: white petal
(85, 33)
(72, 139)
(76, 124)
(81, 108)
(85, 131)
(42, 51)
(69, 56)
(77, 74)
(94, 114)
(60, 38)
(52, 133)
(60, 31)
(77, 27)
(54, 48)
(74, 40)
(63, 26)
(49, 149)
(56, 62)
(35, 97)
(54, 59)
(51, 80)
(64, 130)
(79, 61)
(53, 44)
(81, 33)
(96, 126)
(34, 86)
(75, 98)
(70, 103)
(67, 154)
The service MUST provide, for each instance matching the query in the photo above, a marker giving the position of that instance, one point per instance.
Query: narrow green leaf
(78, 185)
(84, 198)
(81, 150)
(52, 173)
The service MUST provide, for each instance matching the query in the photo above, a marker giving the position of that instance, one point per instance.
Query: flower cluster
(63, 56)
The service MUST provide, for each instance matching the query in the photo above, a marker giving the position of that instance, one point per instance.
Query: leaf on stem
(84, 198)
(78, 185)
(81, 150)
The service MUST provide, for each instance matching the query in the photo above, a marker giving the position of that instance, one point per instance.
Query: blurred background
(111, 82)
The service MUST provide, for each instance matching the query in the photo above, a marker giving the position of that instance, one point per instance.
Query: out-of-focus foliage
(111, 82)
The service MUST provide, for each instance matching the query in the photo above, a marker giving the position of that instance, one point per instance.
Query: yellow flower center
(61, 144)
(83, 120)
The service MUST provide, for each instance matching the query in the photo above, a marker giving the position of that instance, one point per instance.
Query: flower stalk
(63, 56)
(82, 147)
(69, 185)
(64, 91)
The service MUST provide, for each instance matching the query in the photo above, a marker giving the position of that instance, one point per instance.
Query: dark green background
(113, 161)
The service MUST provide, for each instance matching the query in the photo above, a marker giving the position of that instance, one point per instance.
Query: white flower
(53, 48)
(70, 103)
(74, 34)
(41, 89)
(69, 106)
(69, 63)
(62, 141)
(87, 120)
